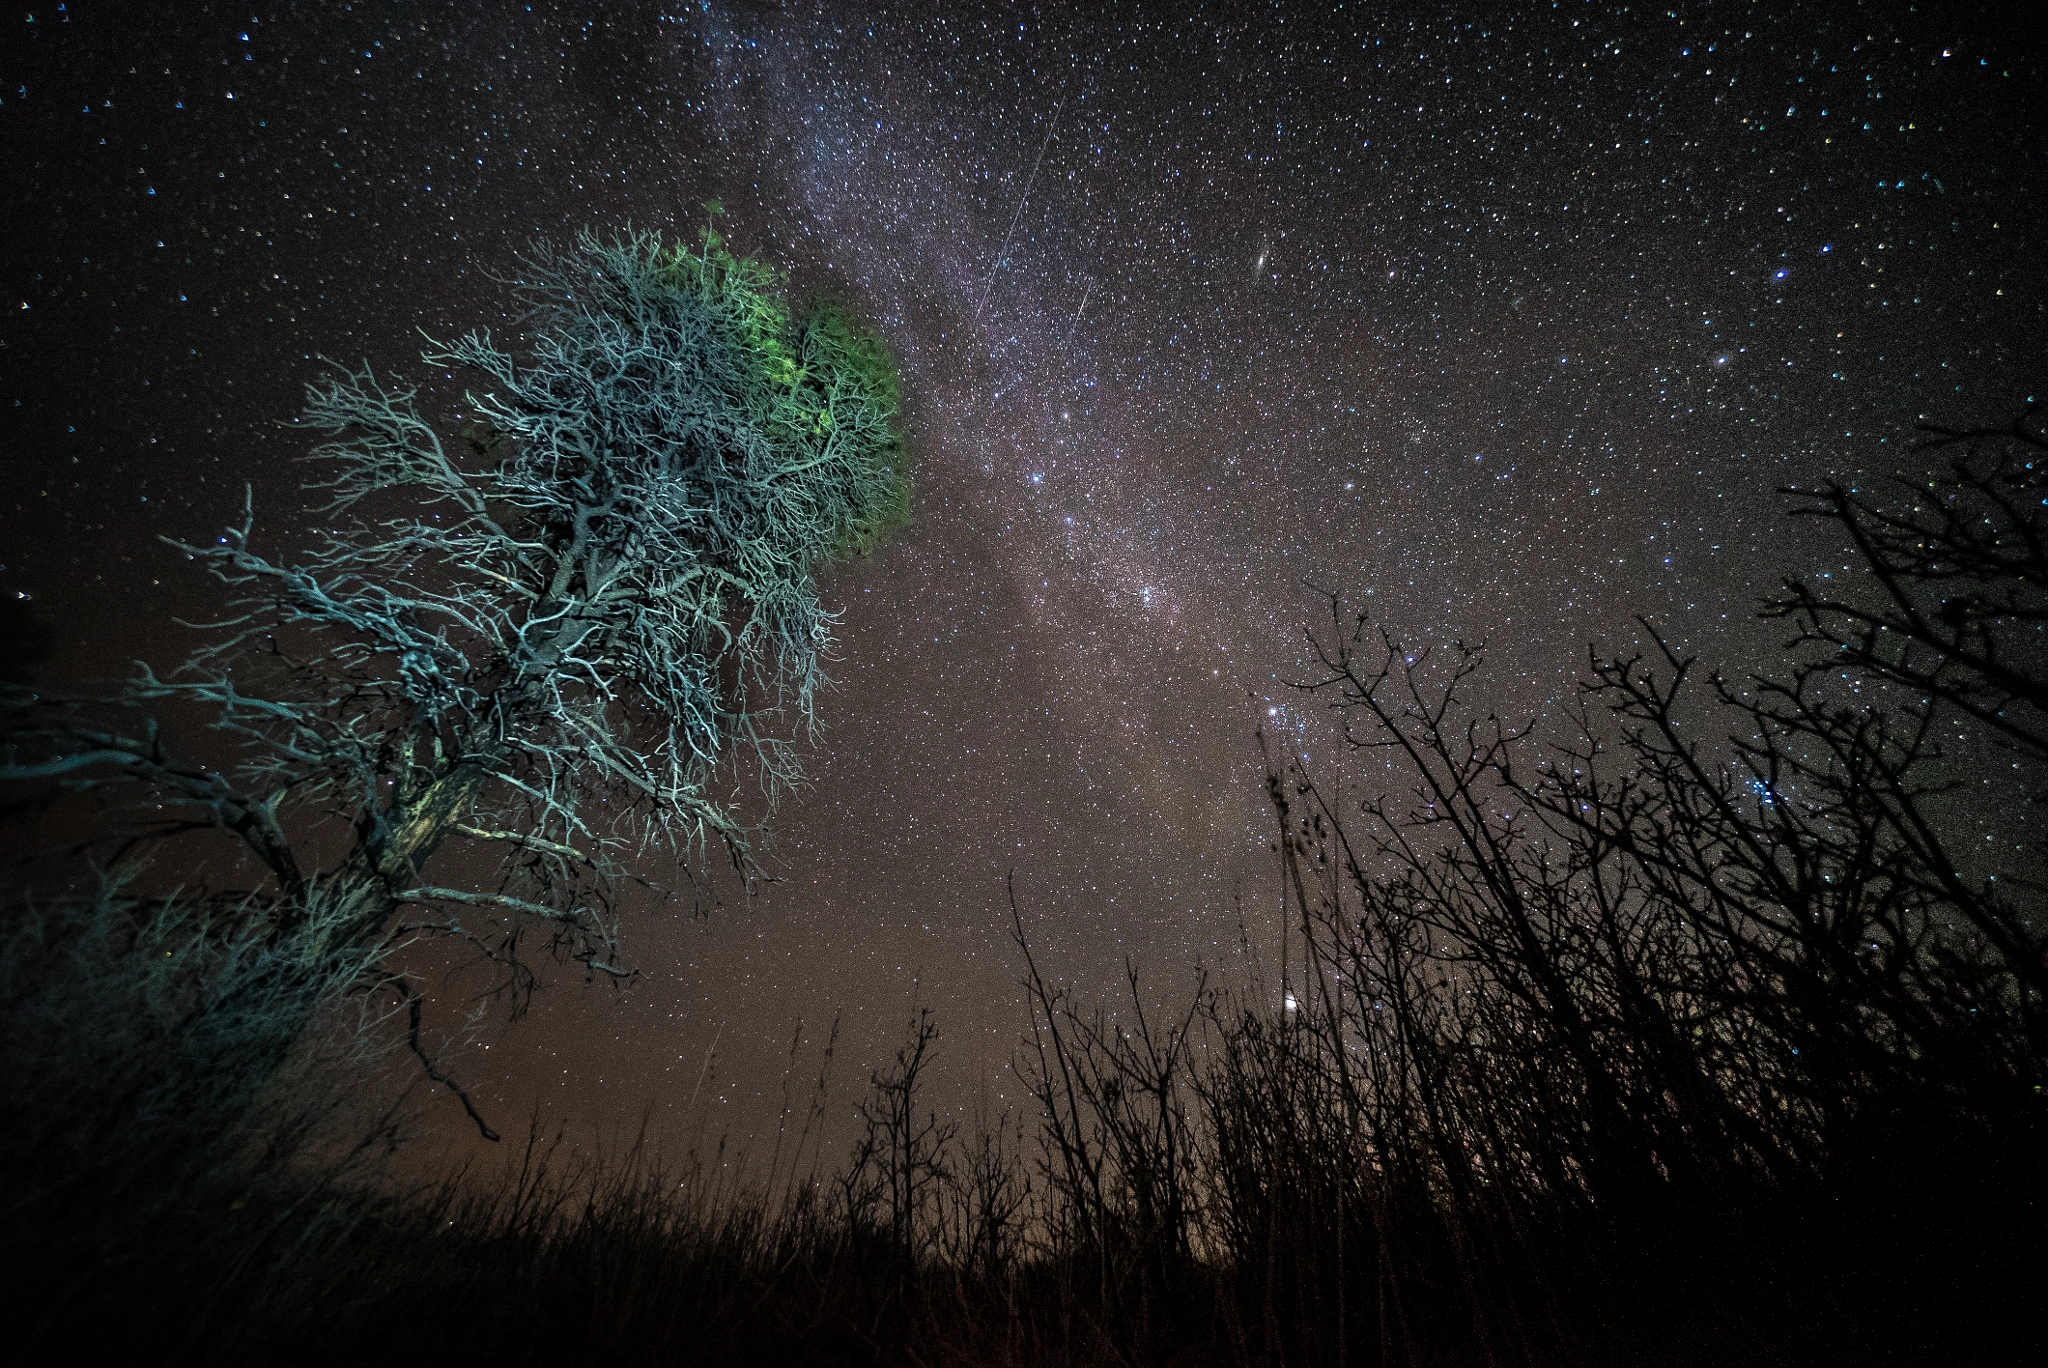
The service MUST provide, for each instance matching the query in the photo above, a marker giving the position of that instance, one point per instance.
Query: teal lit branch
(545, 636)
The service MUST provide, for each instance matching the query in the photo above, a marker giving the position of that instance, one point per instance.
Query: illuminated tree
(543, 637)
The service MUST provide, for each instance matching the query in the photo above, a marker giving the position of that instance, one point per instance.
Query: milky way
(1510, 331)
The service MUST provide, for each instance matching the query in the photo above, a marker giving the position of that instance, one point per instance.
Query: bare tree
(542, 640)
(899, 1164)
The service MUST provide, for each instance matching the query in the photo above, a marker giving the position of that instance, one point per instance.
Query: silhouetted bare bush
(1703, 1032)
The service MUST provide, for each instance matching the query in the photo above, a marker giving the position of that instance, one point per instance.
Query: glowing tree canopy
(547, 633)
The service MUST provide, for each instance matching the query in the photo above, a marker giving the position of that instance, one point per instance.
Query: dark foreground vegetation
(1710, 1031)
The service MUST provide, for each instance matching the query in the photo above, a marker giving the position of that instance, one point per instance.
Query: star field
(1509, 327)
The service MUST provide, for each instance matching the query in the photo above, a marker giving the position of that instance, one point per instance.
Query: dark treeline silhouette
(1710, 1031)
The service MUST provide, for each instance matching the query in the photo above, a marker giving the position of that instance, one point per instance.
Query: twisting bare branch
(562, 629)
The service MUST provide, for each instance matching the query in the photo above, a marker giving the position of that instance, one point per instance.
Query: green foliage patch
(827, 392)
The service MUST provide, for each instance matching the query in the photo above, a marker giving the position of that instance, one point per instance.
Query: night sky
(1508, 321)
